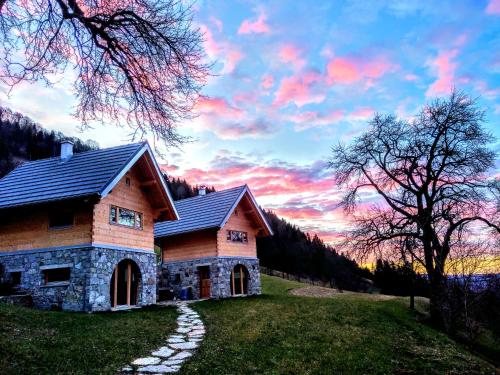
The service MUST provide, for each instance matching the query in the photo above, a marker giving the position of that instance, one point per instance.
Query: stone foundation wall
(91, 269)
(180, 275)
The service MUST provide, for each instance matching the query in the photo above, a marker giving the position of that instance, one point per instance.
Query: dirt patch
(320, 292)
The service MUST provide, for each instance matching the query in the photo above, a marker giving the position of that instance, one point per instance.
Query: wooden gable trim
(253, 202)
(155, 170)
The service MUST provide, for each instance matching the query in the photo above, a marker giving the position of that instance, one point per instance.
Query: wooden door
(204, 274)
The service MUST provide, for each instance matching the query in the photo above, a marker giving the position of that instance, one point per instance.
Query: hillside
(276, 333)
(22, 139)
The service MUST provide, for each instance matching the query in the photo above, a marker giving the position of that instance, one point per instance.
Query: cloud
(493, 7)
(223, 51)
(310, 119)
(301, 89)
(291, 54)
(444, 67)
(219, 107)
(349, 70)
(255, 27)
(228, 121)
(267, 81)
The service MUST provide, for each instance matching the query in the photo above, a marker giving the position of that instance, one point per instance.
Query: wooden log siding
(239, 222)
(193, 245)
(208, 243)
(130, 197)
(28, 228)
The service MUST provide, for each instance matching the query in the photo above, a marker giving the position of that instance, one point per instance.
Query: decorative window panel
(237, 236)
(125, 217)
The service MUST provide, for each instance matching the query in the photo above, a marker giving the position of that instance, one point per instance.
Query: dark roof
(204, 212)
(84, 174)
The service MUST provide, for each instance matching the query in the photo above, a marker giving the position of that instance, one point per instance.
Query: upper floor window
(61, 219)
(123, 216)
(237, 236)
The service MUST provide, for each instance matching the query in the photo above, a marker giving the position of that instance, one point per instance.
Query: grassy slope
(349, 334)
(43, 342)
(272, 334)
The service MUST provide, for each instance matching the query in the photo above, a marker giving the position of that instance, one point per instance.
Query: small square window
(61, 219)
(56, 275)
(15, 278)
(127, 181)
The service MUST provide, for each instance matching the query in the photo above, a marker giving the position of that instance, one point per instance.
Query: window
(127, 181)
(123, 216)
(56, 275)
(15, 278)
(237, 236)
(61, 219)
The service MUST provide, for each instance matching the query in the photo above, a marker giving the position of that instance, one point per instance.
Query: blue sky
(292, 78)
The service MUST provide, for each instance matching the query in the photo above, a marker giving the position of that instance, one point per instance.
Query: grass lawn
(44, 342)
(278, 333)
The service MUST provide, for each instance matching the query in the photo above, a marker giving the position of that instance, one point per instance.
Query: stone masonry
(91, 269)
(180, 275)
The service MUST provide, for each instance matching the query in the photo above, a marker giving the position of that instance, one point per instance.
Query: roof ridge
(82, 153)
(209, 194)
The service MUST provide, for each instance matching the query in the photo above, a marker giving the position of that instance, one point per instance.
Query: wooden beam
(115, 288)
(148, 183)
(232, 281)
(129, 282)
(241, 279)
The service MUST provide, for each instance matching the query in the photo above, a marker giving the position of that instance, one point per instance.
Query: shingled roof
(206, 212)
(91, 173)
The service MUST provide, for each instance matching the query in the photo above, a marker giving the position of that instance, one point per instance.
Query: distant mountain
(22, 139)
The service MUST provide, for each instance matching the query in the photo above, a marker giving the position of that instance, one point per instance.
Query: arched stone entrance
(239, 280)
(125, 284)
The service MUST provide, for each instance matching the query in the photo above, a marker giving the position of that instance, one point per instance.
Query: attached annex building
(78, 233)
(211, 252)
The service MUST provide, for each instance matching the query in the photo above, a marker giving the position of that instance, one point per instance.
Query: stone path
(177, 349)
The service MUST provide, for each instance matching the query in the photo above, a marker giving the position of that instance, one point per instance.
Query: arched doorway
(239, 280)
(124, 287)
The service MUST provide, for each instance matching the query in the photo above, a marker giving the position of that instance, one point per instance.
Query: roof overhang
(262, 218)
(145, 151)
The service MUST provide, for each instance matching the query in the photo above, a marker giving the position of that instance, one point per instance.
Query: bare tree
(431, 176)
(138, 63)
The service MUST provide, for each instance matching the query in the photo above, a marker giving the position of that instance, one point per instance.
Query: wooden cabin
(76, 231)
(211, 252)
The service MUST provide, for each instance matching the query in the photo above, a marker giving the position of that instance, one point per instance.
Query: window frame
(244, 236)
(46, 273)
(61, 227)
(137, 214)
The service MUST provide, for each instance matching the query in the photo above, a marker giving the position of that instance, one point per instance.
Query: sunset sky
(292, 78)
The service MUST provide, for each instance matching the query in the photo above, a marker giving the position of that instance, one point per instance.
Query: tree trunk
(440, 312)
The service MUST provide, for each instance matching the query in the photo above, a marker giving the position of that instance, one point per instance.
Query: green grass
(44, 342)
(277, 333)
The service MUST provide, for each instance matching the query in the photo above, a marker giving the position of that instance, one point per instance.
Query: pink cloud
(229, 54)
(299, 212)
(291, 54)
(219, 107)
(493, 7)
(300, 89)
(444, 68)
(345, 70)
(410, 77)
(255, 27)
(217, 22)
(267, 81)
(362, 113)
